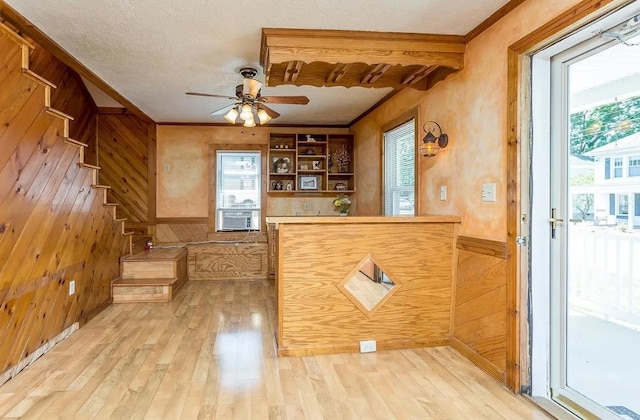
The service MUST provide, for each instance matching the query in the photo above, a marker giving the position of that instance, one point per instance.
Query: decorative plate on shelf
(340, 187)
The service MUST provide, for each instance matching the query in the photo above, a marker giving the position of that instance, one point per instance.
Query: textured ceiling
(152, 51)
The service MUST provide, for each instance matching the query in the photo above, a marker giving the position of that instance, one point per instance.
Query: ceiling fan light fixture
(263, 116)
(249, 122)
(231, 116)
(246, 113)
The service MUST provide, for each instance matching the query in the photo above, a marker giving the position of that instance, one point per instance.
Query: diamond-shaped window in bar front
(368, 286)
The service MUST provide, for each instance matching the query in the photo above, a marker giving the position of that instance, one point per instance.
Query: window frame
(213, 153)
(616, 167)
(633, 164)
(394, 123)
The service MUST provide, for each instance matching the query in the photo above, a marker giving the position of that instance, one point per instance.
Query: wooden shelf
(322, 147)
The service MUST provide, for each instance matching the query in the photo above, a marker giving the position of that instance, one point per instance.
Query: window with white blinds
(400, 170)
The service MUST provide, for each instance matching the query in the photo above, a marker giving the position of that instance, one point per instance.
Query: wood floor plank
(209, 355)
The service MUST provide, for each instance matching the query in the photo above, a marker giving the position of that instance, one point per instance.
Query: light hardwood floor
(210, 354)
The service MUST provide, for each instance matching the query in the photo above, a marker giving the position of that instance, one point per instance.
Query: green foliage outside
(595, 127)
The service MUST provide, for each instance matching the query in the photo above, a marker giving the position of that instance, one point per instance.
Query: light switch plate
(489, 192)
(443, 193)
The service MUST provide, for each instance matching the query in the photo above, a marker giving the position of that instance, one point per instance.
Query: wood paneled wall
(123, 154)
(181, 232)
(480, 305)
(53, 225)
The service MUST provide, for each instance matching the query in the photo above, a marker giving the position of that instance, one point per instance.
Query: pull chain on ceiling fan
(249, 103)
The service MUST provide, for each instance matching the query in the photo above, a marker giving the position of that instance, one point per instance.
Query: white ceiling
(152, 51)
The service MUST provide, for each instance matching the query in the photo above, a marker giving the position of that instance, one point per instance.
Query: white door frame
(543, 310)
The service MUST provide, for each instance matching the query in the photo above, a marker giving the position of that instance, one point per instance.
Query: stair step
(15, 36)
(97, 186)
(123, 219)
(128, 233)
(144, 282)
(146, 290)
(110, 204)
(75, 142)
(38, 79)
(87, 166)
(57, 113)
(157, 254)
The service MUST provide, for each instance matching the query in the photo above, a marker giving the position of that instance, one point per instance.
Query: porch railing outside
(605, 273)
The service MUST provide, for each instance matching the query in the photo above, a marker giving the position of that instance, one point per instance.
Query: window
(400, 170)
(623, 204)
(607, 168)
(634, 166)
(617, 167)
(238, 195)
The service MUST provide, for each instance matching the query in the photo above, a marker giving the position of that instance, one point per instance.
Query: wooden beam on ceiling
(29, 29)
(417, 75)
(337, 73)
(293, 71)
(375, 73)
(328, 53)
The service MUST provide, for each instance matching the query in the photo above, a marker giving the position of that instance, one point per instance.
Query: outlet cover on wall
(72, 287)
(307, 207)
(367, 346)
(443, 193)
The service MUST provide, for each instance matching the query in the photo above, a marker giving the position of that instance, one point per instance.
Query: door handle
(553, 220)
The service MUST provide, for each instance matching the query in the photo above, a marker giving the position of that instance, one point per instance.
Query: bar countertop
(362, 219)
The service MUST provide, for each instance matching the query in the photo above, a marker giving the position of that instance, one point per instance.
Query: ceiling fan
(248, 101)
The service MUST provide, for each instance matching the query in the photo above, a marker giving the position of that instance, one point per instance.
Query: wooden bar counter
(318, 261)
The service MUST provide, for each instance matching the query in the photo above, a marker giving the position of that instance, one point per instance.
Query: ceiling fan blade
(291, 100)
(251, 87)
(222, 110)
(210, 95)
(270, 112)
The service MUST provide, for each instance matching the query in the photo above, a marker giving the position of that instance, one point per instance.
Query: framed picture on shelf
(308, 183)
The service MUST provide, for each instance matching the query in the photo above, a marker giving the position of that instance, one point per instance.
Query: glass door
(594, 224)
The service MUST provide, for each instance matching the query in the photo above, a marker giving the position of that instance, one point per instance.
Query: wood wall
(480, 305)
(123, 154)
(53, 225)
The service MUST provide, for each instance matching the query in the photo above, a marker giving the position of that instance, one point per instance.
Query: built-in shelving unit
(311, 163)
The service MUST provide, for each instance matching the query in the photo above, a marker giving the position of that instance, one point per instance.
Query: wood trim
(513, 222)
(491, 20)
(180, 220)
(478, 360)
(544, 35)
(38, 353)
(210, 124)
(374, 107)
(566, 22)
(355, 348)
(28, 28)
(279, 288)
(152, 153)
(113, 110)
(483, 246)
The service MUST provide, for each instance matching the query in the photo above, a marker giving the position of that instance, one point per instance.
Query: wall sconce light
(431, 144)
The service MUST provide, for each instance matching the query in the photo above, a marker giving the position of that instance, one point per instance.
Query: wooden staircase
(151, 276)
(26, 47)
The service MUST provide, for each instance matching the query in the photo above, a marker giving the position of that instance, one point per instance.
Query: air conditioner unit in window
(238, 220)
